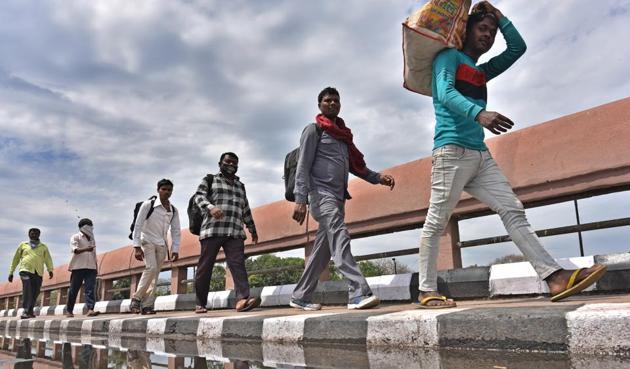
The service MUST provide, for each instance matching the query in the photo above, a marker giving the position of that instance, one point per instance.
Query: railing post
(450, 256)
(176, 362)
(40, 348)
(133, 286)
(106, 286)
(45, 301)
(62, 295)
(17, 302)
(178, 274)
(101, 358)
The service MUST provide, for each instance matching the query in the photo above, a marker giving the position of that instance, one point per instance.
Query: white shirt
(84, 260)
(155, 229)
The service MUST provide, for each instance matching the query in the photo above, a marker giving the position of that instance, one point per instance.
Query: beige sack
(437, 25)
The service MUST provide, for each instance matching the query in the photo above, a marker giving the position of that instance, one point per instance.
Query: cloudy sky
(99, 99)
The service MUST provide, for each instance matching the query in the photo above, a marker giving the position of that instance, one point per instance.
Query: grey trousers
(457, 169)
(332, 240)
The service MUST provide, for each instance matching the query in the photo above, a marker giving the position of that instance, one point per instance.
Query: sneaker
(300, 304)
(68, 314)
(92, 313)
(148, 311)
(136, 306)
(25, 316)
(363, 302)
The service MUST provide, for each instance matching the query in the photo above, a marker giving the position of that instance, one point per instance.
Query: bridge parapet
(578, 155)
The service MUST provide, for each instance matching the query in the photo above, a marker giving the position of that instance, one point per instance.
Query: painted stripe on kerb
(165, 303)
(411, 328)
(599, 329)
(286, 328)
(156, 327)
(115, 326)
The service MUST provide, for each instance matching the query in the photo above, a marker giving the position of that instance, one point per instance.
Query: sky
(100, 99)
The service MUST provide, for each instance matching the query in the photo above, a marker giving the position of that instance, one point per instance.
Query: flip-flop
(423, 303)
(200, 310)
(573, 288)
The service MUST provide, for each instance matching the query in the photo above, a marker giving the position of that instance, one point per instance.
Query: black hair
(327, 91)
(34, 229)
(228, 154)
(164, 182)
(85, 221)
(478, 16)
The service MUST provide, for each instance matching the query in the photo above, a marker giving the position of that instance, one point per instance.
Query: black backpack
(290, 167)
(195, 213)
(135, 214)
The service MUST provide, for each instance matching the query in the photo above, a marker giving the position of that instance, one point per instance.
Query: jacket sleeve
(140, 219)
(444, 70)
(16, 259)
(201, 196)
(370, 176)
(248, 218)
(48, 260)
(515, 49)
(308, 149)
(176, 232)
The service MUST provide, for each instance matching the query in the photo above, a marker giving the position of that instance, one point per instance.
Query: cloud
(100, 99)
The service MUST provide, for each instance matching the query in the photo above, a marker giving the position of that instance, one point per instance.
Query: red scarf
(343, 133)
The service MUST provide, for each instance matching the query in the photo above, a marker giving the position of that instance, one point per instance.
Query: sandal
(573, 288)
(200, 310)
(424, 303)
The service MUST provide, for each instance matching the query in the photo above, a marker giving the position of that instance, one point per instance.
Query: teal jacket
(459, 90)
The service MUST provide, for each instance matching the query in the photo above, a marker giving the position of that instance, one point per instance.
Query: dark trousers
(234, 249)
(31, 284)
(77, 278)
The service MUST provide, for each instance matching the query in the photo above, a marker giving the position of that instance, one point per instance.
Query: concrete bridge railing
(578, 155)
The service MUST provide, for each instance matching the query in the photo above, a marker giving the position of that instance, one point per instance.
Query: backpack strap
(152, 198)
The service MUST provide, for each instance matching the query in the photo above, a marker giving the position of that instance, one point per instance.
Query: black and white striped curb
(515, 279)
(580, 329)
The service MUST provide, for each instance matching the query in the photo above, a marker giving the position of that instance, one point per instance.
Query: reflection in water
(135, 353)
(24, 351)
(85, 359)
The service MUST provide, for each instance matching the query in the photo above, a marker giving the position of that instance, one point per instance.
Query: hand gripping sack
(437, 25)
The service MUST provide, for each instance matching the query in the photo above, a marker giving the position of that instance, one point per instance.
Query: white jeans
(456, 169)
(154, 256)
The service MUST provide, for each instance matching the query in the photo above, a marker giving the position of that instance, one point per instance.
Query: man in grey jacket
(327, 156)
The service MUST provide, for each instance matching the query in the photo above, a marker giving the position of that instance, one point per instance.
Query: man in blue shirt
(461, 161)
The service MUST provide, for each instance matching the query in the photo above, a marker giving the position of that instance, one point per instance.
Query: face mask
(88, 230)
(228, 170)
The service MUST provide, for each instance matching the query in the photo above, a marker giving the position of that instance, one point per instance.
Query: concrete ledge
(600, 329)
(515, 279)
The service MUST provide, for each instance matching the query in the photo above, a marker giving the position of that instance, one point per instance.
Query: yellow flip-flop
(423, 303)
(573, 288)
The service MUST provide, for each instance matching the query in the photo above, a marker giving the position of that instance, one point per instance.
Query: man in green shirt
(31, 256)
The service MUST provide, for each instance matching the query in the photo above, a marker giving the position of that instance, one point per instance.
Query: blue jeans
(456, 169)
(77, 278)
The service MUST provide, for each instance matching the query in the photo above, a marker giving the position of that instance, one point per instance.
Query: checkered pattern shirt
(232, 200)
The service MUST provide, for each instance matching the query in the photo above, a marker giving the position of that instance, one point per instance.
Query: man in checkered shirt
(225, 208)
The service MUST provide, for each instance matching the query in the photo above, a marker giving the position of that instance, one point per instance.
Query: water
(134, 353)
